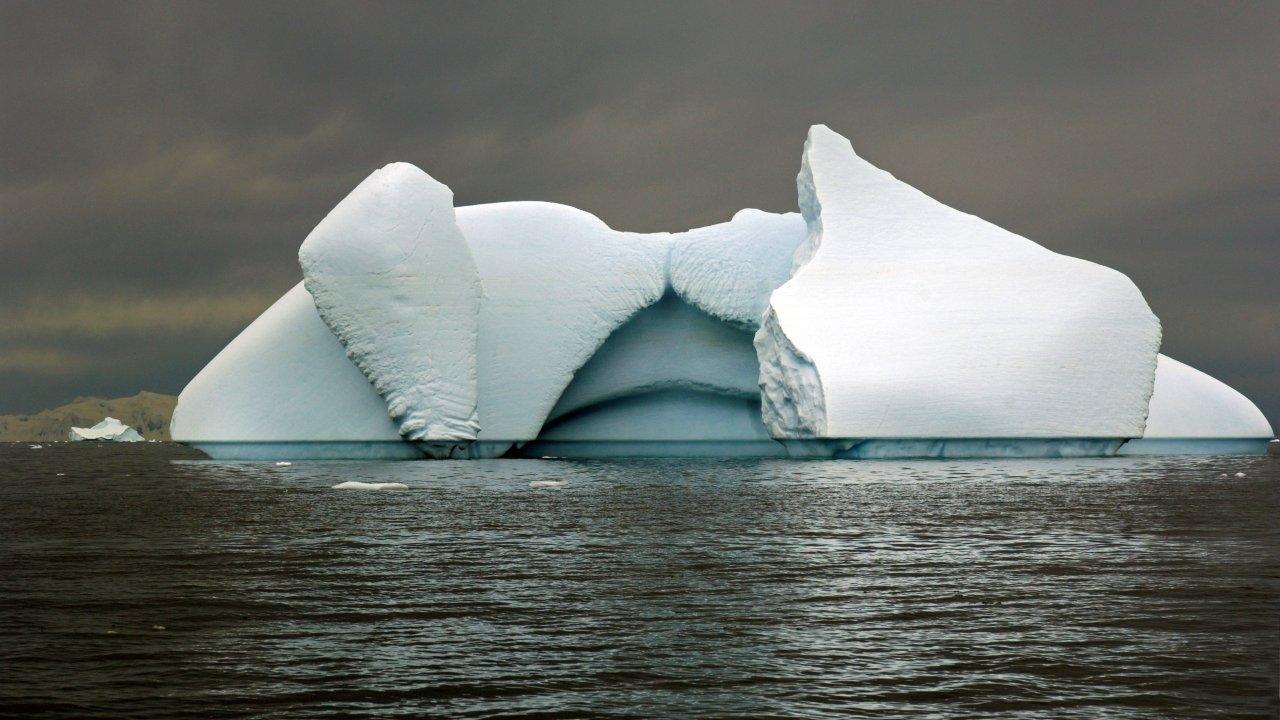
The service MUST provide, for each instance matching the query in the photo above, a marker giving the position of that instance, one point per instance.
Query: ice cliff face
(392, 276)
(791, 395)
(905, 318)
(876, 323)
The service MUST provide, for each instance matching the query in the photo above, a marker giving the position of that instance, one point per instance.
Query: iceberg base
(1195, 446)
(818, 449)
(588, 449)
(309, 450)
(960, 448)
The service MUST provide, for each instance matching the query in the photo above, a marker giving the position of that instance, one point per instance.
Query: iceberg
(906, 319)
(1195, 414)
(285, 388)
(393, 278)
(557, 282)
(875, 323)
(110, 429)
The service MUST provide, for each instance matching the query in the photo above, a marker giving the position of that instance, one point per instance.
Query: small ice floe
(1240, 474)
(546, 484)
(157, 627)
(61, 474)
(36, 447)
(354, 485)
(283, 464)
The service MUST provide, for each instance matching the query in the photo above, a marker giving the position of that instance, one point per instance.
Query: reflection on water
(136, 585)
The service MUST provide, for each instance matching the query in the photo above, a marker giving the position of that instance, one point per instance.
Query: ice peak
(392, 277)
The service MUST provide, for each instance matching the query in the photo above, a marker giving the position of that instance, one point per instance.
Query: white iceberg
(1193, 413)
(878, 323)
(907, 319)
(284, 388)
(557, 282)
(391, 275)
(110, 429)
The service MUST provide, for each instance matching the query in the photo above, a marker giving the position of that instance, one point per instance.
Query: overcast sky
(162, 162)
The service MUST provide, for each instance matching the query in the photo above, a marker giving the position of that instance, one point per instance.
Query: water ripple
(138, 582)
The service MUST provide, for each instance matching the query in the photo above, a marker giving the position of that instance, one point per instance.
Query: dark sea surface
(137, 582)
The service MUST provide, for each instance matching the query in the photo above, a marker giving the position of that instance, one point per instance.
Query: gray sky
(162, 162)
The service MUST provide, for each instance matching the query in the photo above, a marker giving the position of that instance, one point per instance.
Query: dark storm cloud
(162, 162)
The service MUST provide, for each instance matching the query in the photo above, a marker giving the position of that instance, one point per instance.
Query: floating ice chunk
(557, 282)
(1193, 413)
(1240, 475)
(391, 275)
(109, 429)
(729, 270)
(284, 387)
(356, 485)
(906, 318)
(36, 447)
(546, 484)
(283, 464)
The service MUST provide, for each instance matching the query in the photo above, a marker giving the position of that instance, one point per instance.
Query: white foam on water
(355, 485)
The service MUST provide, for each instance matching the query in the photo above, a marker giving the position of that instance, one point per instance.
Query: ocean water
(138, 581)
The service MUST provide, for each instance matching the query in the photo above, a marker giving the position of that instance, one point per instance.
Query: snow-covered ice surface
(391, 274)
(284, 388)
(108, 429)
(1193, 413)
(906, 318)
(729, 270)
(557, 282)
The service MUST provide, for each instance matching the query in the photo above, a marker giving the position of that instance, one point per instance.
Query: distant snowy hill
(147, 412)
